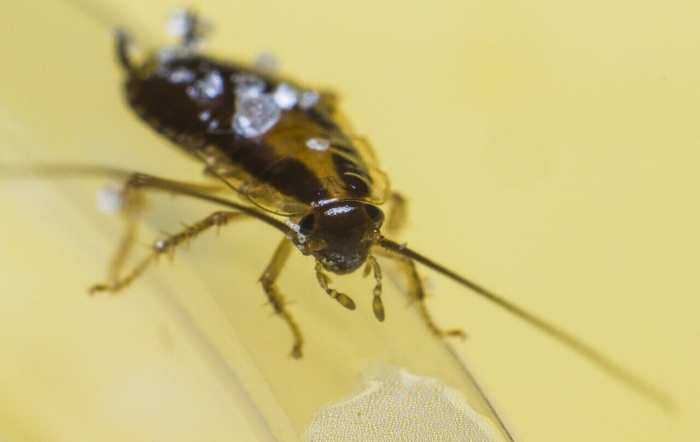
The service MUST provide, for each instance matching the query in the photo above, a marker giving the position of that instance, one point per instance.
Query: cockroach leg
(417, 293)
(133, 204)
(396, 218)
(167, 245)
(268, 280)
(324, 280)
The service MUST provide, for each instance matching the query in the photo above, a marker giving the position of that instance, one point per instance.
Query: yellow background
(549, 150)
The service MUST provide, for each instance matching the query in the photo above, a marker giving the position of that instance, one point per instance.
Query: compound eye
(375, 214)
(307, 224)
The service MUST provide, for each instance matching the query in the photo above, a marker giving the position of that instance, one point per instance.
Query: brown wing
(287, 170)
(192, 100)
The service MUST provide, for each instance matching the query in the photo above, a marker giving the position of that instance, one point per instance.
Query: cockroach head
(340, 234)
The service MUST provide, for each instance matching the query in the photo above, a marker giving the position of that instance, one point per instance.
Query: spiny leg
(396, 218)
(417, 293)
(167, 245)
(324, 280)
(377, 305)
(276, 299)
(131, 197)
(132, 207)
(133, 204)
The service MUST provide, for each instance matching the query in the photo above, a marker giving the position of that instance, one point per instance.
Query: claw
(296, 351)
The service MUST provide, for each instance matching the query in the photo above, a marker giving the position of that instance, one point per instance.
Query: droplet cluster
(258, 111)
(257, 108)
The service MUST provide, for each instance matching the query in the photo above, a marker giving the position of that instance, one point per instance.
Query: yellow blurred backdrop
(548, 150)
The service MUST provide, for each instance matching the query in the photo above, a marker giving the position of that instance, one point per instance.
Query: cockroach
(289, 154)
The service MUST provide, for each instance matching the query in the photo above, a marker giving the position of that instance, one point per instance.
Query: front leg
(276, 299)
(133, 204)
(167, 246)
(417, 293)
(398, 213)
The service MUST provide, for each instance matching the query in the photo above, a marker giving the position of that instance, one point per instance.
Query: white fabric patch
(397, 405)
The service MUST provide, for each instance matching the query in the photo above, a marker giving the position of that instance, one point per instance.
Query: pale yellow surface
(549, 150)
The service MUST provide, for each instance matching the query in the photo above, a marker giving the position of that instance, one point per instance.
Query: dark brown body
(331, 191)
(161, 93)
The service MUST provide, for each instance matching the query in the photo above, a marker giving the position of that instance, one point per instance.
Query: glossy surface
(193, 100)
(340, 234)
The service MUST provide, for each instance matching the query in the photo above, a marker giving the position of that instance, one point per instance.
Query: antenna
(612, 368)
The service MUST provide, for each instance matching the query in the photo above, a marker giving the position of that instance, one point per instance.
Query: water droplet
(180, 23)
(308, 99)
(320, 144)
(248, 85)
(208, 88)
(285, 96)
(187, 26)
(109, 200)
(255, 115)
(181, 75)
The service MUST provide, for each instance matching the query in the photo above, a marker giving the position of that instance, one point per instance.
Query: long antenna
(197, 191)
(601, 361)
